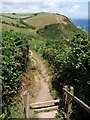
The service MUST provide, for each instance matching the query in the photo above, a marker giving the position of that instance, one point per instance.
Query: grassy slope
(57, 31)
(26, 31)
(50, 25)
(6, 19)
(43, 19)
(11, 20)
(19, 16)
(16, 19)
(53, 26)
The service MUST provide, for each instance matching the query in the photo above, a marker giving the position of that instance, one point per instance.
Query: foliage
(71, 61)
(58, 31)
(36, 45)
(14, 61)
(50, 31)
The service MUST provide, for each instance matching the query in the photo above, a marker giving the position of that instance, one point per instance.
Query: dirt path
(44, 93)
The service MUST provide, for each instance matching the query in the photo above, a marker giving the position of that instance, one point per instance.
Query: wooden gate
(40, 106)
(53, 104)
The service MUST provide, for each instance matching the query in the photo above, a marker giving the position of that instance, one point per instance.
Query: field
(26, 31)
(43, 19)
(7, 19)
(13, 15)
(11, 21)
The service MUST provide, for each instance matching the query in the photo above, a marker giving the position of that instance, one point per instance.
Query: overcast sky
(72, 8)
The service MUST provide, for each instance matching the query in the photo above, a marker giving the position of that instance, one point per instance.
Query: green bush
(14, 61)
(71, 61)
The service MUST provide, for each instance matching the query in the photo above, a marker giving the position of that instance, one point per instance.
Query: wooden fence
(68, 97)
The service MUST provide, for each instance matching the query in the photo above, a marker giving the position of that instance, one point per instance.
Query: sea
(84, 24)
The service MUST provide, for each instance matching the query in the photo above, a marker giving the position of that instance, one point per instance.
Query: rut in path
(44, 93)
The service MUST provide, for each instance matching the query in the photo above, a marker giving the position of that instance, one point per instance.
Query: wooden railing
(69, 96)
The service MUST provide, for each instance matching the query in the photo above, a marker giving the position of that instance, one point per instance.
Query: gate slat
(46, 103)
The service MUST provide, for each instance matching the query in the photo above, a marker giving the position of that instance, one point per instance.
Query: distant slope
(43, 19)
(26, 31)
(7, 19)
(10, 21)
(52, 25)
(49, 25)
(17, 15)
(58, 31)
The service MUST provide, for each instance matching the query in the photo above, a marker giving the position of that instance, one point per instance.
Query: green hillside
(54, 26)
(57, 31)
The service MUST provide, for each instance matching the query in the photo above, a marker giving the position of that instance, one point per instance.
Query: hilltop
(44, 24)
(42, 19)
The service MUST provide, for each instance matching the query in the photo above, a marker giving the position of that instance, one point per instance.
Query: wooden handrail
(81, 103)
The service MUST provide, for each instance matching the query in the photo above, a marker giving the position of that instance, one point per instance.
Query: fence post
(69, 110)
(65, 98)
(26, 103)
